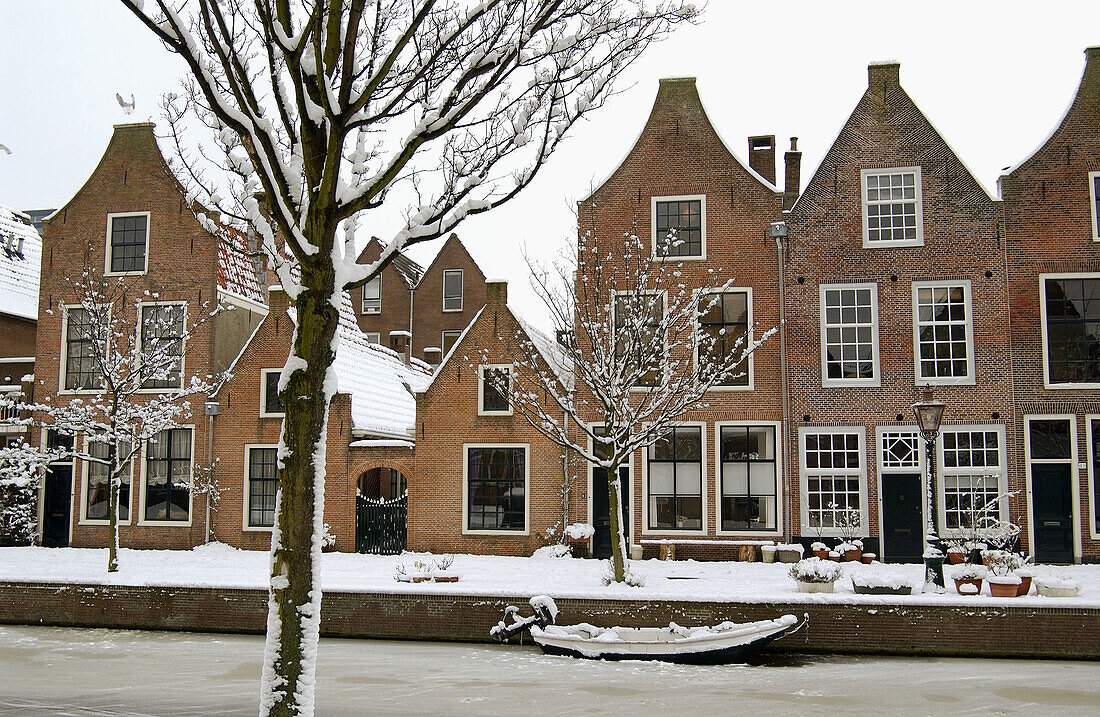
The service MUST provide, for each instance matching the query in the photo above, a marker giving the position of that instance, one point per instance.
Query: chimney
(433, 355)
(883, 76)
(762, 156)
(792, 162)
(496, 294)
(400, 341)
(277, 302)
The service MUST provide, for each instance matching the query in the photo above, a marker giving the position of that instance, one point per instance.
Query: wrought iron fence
(380, 525)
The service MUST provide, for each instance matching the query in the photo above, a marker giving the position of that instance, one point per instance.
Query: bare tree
(346, 110)
(636, 349)
(131, 381)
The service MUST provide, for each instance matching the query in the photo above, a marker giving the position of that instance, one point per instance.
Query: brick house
(722, 210)
(1052, 232)
(896, 281)
(131, 222)
(20, 257)
(431, 305)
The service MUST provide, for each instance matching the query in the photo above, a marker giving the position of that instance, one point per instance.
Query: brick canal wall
(1037, 632)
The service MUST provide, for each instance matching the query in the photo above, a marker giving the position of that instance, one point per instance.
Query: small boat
(720, 644)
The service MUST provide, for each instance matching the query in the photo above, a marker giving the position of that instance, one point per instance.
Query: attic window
(892, 214)
(680, 227)
(127, 243)
(372, 296)
(494, 389)
(452, 290)
(1094, 196)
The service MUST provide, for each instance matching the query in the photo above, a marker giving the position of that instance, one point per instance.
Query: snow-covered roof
(409, 271)
(550, 350)
(236, 269)
(19, 271)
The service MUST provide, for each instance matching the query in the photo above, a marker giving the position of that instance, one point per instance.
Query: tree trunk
(618, 535)
(115, 474)
(294, 601)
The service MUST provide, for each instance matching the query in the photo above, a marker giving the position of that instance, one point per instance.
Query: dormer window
(372, 296)
(680, 227)
(892, 214)
(1094, 202)
(127, 243)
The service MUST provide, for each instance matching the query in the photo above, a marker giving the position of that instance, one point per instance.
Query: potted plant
(849, 552)
(1056, 586)
(820, 550)
(849, 522)
(868, 558)
(956, 551)
(834, 556)
(814, 575)
(1003, 580)
(579, 537)
(968, 579)
(1026, 575)
(881, 582)
(789, 552)
(441, 572)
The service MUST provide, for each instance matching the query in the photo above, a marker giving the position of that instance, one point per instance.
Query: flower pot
(976, 582)
(834, 556)
(868, 558)
(823, 554)
(956, 558)
(420, 578)
(805, 587)
(852, 556)
(443, 578)
(881, 589)
(767, 553)
(1024, 587)
(1003, 589)
(788, 556)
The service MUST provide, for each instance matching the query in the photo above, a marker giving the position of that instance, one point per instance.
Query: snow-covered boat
(719, 644)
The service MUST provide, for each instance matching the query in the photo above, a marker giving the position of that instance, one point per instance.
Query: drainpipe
(212, 408)
(779, 231)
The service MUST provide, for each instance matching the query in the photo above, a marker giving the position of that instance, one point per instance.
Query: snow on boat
(723, 643)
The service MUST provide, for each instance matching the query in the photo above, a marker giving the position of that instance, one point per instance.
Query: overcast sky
(994, 77)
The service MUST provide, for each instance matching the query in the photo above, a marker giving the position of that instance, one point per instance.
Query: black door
(1052, 511)
(601, 516)
(55, 521)
(902, 517)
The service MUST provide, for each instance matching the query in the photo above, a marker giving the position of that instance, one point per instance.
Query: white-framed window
(640, 332)
(494, 388)
(167, 486)
(373, 337)
(892, 213)
(972, 472)
(1069, 305)
(750, 470)
(1094, 203)
(97, 485)
(849, 335)
(833, 477)
(161, 329)
(127, 249)
(270, 405)
(675, 475)
(449, 339)
(261, 471)
(943, 332)
(900, 449)
(1092, 426)
(452, 289)
(80, 369)
(725, 323)
(495, 490)
(679, 227)
(372, 296)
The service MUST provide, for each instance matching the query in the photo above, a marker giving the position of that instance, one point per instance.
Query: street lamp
(929, 413)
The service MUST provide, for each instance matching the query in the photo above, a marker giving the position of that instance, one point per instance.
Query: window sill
(1071, 386)
(95, 522)
(492, 414)
(501, 533)
(126, 273)
(164, 523)
(852, 383)
(256, 529)
(922, 381)
(452, 311)
(690, 257)
(893, 244)
(272, 415)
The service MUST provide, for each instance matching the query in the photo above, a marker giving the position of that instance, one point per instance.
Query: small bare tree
(131, 382)
(356, 110)
(635, 352)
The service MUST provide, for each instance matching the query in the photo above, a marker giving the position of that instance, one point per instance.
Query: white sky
(994, 77)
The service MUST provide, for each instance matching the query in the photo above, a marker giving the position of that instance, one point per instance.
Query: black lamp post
(929, 413)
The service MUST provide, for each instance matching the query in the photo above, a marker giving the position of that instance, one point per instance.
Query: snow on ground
(218, 565)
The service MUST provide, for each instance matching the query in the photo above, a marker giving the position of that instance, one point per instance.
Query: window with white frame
(849, 334)
(98, 494)
(679, 227)
(263, 473)
(373, 337)
(496, 488)
(372, 296)
(168, 476)
(892, 213)
(270, 405)
(640, 334)
(943, 332)
(449, 339)
(127, 243)
(675, 475)
(972, 473)
(1094, 203)
(900, 448)
(749, 478)
(452, 289)
(81, 361)
(162, 329)
(494, 390)
(1071, 328)
(834, 471)
(724, 324)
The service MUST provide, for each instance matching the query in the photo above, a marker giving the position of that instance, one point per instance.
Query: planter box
(881, 589)
(788, 556)
(815, 587)
(1003, 589)
(852, 556)
(1056, 592)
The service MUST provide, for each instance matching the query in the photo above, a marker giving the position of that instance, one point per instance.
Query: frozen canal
(60, 671)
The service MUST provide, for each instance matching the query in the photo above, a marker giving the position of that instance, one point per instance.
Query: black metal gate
(380, 525)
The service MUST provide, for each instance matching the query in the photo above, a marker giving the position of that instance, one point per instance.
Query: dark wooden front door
(1052, 511)
(902, 518)
(58, 495)
(601, 516)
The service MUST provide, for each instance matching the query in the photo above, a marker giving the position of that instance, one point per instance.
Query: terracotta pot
(823, 554)
(976, 582)
(834, 556)
(1002, 590)
(956, 558)
(1024, 587)
(852, 556)
(867, 558)
(446, 578)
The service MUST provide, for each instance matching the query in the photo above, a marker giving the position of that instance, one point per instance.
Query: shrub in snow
(552, 551)
(815, 570)
(328, 540)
